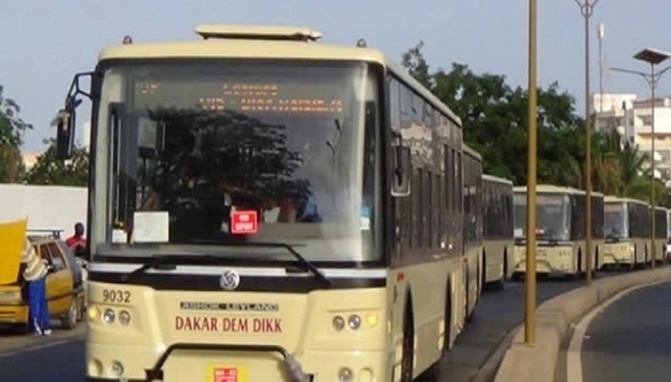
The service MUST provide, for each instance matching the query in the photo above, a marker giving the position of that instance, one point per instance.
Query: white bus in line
(497, 194)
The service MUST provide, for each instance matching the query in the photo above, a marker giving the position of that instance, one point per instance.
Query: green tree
(414, 60)
(48, 169)
(12, 129)
(494, 117)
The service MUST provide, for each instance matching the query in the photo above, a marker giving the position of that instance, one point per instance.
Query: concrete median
(536, 363)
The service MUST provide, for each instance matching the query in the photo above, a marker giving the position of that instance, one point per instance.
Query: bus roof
(265, 42)
(496, 179)
(550, 188)
(619, 199)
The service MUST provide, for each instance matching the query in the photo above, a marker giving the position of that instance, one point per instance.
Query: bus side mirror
(400, 168)
(65, 127)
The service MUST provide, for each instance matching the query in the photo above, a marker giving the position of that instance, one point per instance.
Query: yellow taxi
(64, 285)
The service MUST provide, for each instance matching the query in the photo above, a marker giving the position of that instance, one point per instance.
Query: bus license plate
(227, 374)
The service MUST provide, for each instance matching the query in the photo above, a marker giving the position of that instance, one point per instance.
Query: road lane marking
(34, 348)
(574, 352)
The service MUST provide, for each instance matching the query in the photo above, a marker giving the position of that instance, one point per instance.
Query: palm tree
(634, 172)
(606, 169)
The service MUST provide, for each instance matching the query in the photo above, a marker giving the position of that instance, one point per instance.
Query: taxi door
(59, 281)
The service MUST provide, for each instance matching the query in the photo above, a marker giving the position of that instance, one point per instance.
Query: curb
(487, 371)
(536, 362)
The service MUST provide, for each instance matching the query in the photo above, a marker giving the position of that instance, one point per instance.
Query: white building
(632, 117)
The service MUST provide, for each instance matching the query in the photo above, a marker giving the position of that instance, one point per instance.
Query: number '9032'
(116, 296)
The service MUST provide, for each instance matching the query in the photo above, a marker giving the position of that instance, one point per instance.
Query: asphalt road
(497, 313)
(60, 358)
(630, 340)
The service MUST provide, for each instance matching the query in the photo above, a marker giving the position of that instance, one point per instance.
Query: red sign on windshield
(243, 222)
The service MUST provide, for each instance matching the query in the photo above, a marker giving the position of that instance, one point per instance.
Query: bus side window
(394, 104)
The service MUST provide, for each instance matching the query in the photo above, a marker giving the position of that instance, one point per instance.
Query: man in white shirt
(35, 274)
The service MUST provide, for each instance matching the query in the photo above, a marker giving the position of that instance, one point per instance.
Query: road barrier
(537, 362)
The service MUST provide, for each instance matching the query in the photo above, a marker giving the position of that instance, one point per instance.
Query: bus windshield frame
(293, 141)
(616, 220)
(553, 216)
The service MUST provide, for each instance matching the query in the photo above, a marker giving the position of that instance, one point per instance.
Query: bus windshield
(552, 216)
(615, 220)
(203, 155)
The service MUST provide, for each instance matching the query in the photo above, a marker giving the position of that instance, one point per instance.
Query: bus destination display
(238, 96)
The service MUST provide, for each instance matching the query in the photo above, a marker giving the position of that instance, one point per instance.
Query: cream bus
(473, 226)
(627, 232)
(265, 207)
(560, 230)
(660, 234)
(497, 194)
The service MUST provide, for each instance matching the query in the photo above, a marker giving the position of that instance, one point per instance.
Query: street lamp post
(587, 8)
(652, 57)
(530, 277)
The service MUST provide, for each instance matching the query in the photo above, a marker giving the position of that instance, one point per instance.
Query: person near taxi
(78, 238)
(35, 274)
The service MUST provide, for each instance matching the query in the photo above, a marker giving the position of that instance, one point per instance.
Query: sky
(45, 42)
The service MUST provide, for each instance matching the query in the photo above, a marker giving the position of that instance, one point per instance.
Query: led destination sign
(244, 97)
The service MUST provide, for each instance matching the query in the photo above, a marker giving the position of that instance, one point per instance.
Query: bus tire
(408, 357)
(579, 272)
(467, 287)
(595, 263)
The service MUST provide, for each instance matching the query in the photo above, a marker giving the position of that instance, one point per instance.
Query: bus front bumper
(618, 253)
(549, 260)
(310, 366)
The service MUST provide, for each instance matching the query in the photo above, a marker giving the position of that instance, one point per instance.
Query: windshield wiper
(302, 260)
(164, 263)
(613, 238)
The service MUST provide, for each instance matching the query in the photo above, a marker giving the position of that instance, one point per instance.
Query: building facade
(632, 118)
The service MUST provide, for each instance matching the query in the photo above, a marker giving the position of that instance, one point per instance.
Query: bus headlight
(345, 375)
(93, 313)
(109, 316)
(354, 321)
(124, 317)
(338, 323)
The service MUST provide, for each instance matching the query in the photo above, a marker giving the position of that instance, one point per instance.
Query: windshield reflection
(615, 220)
(207, 147)
(552, 217)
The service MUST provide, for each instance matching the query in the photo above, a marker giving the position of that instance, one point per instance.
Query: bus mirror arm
(65, 120)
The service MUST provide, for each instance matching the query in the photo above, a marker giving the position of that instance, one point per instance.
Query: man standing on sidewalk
(35, 274)
(78, 238)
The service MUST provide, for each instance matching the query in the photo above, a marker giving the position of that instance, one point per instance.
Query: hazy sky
(46, 41)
